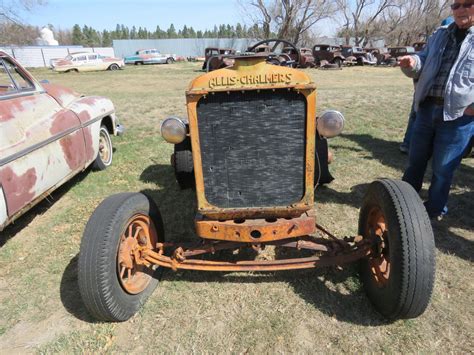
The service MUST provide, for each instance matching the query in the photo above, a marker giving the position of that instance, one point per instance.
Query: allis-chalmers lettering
(250, 80)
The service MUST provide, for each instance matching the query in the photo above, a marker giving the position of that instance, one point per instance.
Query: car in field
(357, 56)
(304, 60)
(397, 52)
(85, 61)
(217, 58)
(150, 56)
(328, 53)
(248, 147)
(48, 134)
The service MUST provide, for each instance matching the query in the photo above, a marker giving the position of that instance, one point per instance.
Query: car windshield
(347, 51)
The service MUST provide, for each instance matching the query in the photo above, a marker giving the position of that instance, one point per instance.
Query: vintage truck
(48, 134)
(248, 144)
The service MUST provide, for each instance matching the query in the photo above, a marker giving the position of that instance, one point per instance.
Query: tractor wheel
(105, 155)
(112, 284)
(398, 277)
(183, 164)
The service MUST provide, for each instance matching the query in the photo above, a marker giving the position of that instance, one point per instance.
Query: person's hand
(469, 111)
(407, 61)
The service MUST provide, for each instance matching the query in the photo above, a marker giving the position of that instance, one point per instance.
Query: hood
(61, 94)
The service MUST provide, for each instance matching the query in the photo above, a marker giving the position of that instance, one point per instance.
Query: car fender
(91, 110)
(3, 209)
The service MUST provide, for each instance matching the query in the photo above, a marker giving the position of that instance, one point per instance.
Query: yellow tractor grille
(253, 147)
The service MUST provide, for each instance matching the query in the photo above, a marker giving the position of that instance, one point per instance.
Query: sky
(106, 14)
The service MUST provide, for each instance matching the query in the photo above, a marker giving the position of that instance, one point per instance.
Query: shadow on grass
(69, 293)
(335, 293)
(319, 287)
(43, 206)
(461, 213)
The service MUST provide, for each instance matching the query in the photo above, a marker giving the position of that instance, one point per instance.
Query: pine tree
(172, 32)
(77, 36)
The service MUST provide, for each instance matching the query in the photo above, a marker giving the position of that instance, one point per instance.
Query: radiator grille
(253, 147)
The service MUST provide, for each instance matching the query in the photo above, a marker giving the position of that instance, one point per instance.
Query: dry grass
(307, 311)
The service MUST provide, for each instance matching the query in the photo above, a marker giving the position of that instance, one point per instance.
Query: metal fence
(194, 47)
(186, 47)
(40, 56)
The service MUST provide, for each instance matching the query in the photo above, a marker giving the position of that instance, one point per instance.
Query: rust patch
(64, 96)
(88, 142)
(89, 100)
(73, 149)
(18, 189)
(62, 121)
(73, 144)
(9, 108)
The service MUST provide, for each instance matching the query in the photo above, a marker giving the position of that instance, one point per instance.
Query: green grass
(306, 311)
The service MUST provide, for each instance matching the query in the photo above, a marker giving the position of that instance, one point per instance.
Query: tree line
(88, 36)
(398, 22)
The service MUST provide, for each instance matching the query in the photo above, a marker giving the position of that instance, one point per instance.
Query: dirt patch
(25, 336)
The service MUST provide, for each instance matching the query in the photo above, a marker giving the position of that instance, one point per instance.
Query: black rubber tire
(169, 61)
(338, 62)
(183, 164)
(411, 250)
(99, 285)
(99, 164)
(114, 67)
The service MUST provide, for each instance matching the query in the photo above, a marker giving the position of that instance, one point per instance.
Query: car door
(94, 63)
(41, 143)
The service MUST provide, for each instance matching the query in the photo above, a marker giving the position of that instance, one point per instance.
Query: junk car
(150, 56)
(85, 61)
(330, 54)
(217, 58)
(248, 148)
(397, 52)
(357, 55)
(48, 134)
(306, 59)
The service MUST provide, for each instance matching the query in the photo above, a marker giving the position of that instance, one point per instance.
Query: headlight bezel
(330, 123)
(174, 130)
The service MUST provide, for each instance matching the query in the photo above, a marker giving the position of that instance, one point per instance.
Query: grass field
(306, 311)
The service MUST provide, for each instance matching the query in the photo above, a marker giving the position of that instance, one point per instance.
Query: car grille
(253, 147)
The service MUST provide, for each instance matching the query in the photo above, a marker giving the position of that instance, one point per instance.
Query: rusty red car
(48, 134)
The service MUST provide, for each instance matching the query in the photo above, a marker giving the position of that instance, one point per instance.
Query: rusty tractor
(248, 149)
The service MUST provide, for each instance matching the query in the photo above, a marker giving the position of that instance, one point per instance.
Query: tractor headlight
(173, 130)
(330, 123)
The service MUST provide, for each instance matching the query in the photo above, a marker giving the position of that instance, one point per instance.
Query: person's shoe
(440, 217)
(404, 149)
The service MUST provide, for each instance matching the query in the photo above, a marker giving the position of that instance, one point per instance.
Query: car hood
(64, 96)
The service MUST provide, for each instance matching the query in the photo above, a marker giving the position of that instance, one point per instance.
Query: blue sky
(106, 14)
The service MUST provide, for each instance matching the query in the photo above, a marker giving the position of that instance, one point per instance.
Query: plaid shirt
(450, 54)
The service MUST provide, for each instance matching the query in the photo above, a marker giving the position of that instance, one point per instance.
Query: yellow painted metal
(252, 74)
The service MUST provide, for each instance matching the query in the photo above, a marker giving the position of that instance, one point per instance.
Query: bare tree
(10, 10)
(12, 28)
(286, 19)
(359, 16)
(413, 20)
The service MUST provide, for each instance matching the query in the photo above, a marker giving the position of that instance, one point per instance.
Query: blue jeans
(444, 142)
(409, 130)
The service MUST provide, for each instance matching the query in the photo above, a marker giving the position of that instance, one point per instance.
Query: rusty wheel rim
(139, 234)
(379, 264)
(104, 148)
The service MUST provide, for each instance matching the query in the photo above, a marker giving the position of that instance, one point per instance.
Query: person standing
(444, 105)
